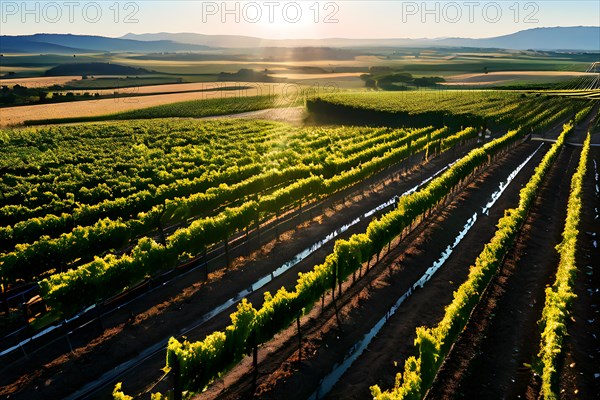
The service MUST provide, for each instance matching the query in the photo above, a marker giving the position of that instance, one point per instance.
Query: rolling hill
(579, 38)
(586, 38)
(59, 43)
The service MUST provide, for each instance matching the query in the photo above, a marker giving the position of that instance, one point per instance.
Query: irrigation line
(202, 262)
(93, 387)
(359, 347)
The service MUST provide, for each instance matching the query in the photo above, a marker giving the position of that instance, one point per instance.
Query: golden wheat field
(18, 115)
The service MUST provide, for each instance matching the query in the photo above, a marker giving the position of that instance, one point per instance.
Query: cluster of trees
(19, 95)
(560, 295)
(433, 344)
(245, 75)
(397, 81)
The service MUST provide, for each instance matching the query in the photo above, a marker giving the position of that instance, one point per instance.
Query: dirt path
(183, 302)
(580, 369)
(292, 115)
(370, 298)
(492, 356)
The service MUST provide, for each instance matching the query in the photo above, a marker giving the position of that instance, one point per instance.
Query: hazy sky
(300, 19)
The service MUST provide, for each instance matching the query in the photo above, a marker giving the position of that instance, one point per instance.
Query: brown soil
(362, 304)
(580, 369)
(494, 355)
(125, 333)
(491, 359)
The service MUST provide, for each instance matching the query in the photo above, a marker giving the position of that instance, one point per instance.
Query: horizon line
(312, 39)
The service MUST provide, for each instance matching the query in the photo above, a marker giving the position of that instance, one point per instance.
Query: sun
(289, 20)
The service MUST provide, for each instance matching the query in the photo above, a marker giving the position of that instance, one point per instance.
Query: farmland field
(91, 222)
(108, 106)
(40, 81)
(514, 76)
(299, 200)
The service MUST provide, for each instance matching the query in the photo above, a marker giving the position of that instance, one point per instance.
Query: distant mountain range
(60, 44)
(582, 38)
(560, 38)
(585, 38)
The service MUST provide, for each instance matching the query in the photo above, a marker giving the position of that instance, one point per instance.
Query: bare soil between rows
(365, 302)
(167, 311)
(492, 357)
(579, 373)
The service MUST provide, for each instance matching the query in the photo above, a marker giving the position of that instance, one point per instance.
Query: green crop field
(91, 210)
(305, 200)
(248, 160)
